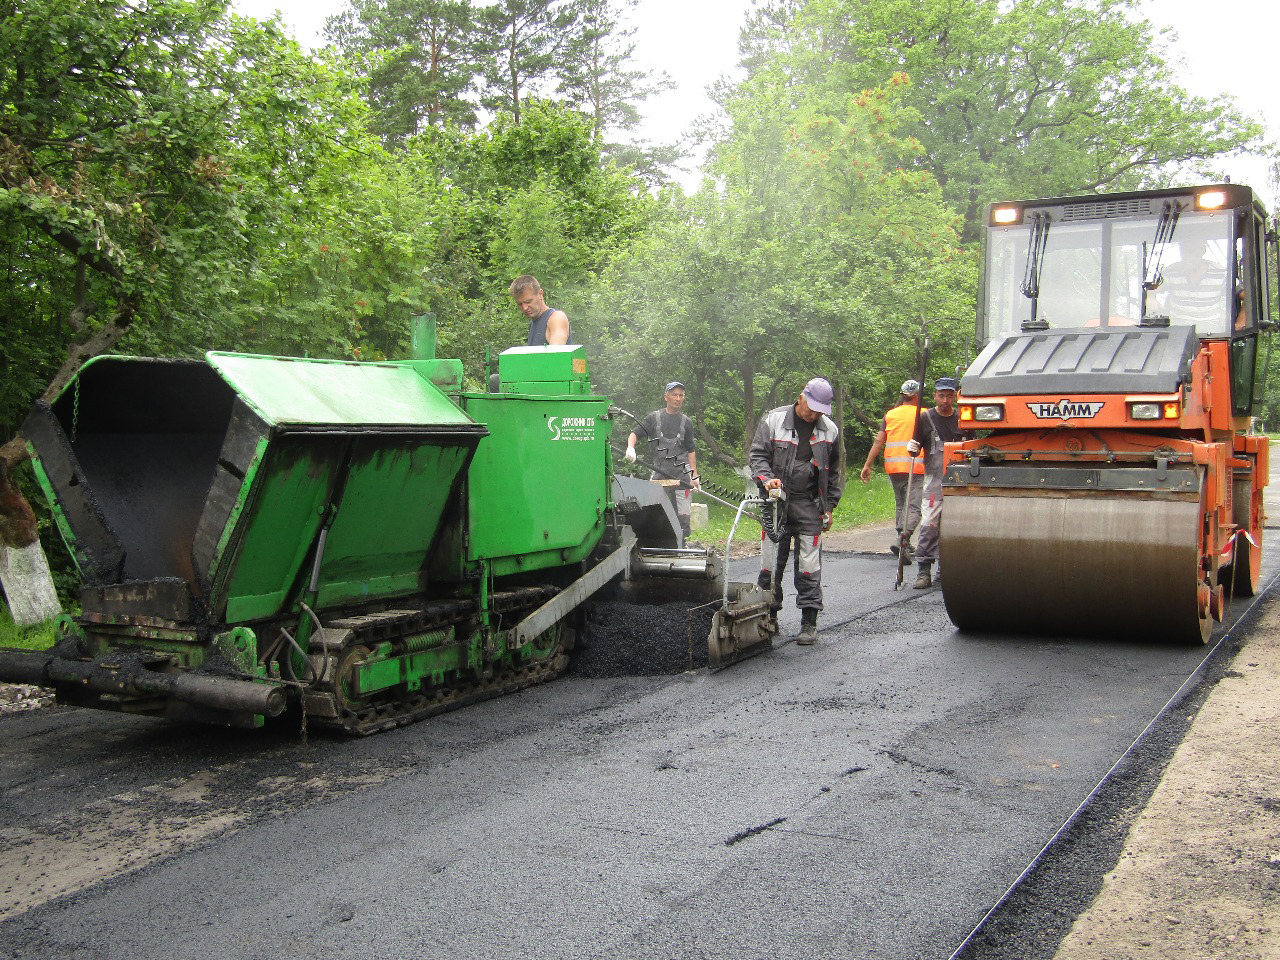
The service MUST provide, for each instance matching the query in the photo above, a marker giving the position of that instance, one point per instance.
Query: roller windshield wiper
(1035, 264)
(1153, 260)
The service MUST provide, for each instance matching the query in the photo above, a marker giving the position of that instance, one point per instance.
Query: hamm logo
(1066, 410)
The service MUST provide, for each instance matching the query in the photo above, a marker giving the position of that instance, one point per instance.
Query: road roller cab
(1110, 482)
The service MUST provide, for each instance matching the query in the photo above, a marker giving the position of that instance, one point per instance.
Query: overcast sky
(1224, 46)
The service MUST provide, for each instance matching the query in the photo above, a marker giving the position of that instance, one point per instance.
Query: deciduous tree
(1034, 98)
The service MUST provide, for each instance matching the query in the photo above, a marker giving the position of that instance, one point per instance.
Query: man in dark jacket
(794, 452)
(938, 427)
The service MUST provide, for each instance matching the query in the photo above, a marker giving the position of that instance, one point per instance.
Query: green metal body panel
(545, 371)
(538, 486)
(353, 446)
(383, 499)
(55, 509)
(292, 391)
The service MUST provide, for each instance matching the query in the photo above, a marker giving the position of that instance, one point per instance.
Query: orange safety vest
(900, 427)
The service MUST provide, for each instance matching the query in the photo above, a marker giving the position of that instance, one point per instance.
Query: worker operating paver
(673, 453)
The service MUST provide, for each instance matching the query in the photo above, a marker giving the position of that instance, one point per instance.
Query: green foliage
(422, 59)
(1035, 98)
(534, 197)
(152, 155)
(434, 64)
(597, 75)
(526, 38)
(12, 637)
(819, 251)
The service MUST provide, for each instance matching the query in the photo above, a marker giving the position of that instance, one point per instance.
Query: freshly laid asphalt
(868, 797)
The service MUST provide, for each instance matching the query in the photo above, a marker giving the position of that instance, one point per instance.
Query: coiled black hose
(769, 516)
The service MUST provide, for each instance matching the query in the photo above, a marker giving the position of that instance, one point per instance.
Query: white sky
(1224, 46)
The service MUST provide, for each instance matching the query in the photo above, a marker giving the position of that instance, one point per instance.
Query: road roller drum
(1065, 563)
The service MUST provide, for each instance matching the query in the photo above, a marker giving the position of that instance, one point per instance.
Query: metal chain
(75, 411)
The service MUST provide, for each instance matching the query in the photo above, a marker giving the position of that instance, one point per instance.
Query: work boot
(910, 554)
(925, 580)
(808, 627)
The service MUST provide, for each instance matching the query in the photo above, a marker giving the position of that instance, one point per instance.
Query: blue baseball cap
(946, 383)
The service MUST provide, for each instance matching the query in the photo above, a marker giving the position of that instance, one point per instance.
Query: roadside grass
(860, 504)
(39, 637)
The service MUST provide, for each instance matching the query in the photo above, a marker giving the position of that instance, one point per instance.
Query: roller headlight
(1006, 216)
(1155, 410)
(1211, 200)
(981, 412)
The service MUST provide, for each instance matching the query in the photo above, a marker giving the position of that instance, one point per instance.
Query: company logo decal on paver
(572, 428)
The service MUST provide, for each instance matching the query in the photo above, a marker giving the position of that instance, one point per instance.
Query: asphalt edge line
(1193, 679)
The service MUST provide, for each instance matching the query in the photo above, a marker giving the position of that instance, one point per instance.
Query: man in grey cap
(938, 426)
(794, 451)
(670, 434)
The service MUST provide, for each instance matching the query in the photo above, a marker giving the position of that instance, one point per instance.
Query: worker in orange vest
(896, 431)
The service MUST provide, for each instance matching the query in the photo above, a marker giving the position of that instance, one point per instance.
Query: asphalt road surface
(868, 797)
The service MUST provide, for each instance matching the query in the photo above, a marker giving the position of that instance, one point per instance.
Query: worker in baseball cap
(671, 452)
(938, 427)
(897, 429)
(794, 452)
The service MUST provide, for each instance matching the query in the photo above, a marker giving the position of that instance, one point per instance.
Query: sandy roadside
(1199, 876)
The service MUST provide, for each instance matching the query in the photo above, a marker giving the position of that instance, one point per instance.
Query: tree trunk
(837, 414)
(748, 381)
(717, 452)
(28, 585)
(24, 571)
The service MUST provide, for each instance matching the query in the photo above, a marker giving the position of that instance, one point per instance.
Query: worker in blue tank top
(547, 325)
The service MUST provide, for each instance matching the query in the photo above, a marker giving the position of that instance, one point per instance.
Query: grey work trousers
(907, 515)
(930, 528)
(807, 576)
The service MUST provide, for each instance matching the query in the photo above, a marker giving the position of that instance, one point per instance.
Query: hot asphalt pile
(625, 639)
